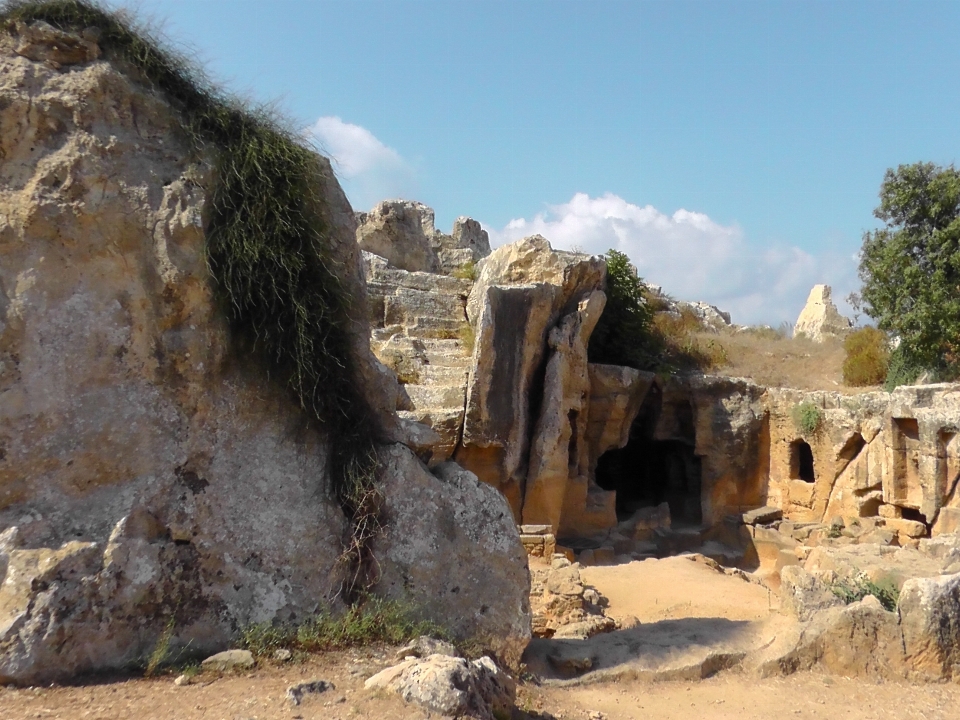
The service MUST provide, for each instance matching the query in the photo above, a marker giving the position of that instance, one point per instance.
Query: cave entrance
(648, 471)
(801, 461)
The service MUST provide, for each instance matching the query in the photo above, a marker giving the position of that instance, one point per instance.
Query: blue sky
(733, 149)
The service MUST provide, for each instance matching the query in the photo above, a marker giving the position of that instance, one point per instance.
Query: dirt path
(733, 696)
(678, 587)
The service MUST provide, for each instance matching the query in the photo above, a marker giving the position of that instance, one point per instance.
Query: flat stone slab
(536, 530)
(762, 516)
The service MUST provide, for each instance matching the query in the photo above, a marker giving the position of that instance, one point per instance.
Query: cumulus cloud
(369, 171)
(691, 256)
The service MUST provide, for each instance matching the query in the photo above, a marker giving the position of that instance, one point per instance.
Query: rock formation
(152, 479)
(403, 233)
(820, 318)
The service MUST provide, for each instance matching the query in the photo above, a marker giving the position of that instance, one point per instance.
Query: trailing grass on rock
(267, 249)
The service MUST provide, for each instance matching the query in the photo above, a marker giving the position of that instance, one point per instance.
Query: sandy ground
(654, 592)
(678, 587)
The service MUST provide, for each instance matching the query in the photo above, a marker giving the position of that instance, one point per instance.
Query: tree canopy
(910, 268)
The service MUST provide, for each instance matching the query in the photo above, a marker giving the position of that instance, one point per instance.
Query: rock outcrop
(917, 639)
(152, 480)
(403, 233)
(498, 368)
(452, 551)
(820, 318)
(522, 291)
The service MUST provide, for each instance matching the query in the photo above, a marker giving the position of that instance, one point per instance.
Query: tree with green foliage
(624, 334)
(910, 268)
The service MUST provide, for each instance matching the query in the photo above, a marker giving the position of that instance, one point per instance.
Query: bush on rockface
(807, 418)
(637, 328)
(867, 356)
(624, 335)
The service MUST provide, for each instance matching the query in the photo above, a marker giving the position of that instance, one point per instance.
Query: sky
(734, 150)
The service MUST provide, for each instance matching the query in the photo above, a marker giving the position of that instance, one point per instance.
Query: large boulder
(452, 550)
(929, 610)
(155, 486)
(820, 318)
(857, 640)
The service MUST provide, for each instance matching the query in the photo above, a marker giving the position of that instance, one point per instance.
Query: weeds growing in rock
(467, 336)
(161, 651)
(372, 620)
(851, 591)
(467, 271)
(267, 249)
(806, 417)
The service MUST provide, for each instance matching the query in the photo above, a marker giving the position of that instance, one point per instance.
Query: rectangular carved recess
(948, 463)
(906, 465)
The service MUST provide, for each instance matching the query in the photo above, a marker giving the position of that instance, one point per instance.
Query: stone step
(452, 346)
(437, 375)
(449, 360)
(448, 397)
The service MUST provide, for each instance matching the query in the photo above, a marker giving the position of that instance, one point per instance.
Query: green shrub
(907, 369)
(267, 250)
(371, 621)
(867, 357)
(624, 334)
(807, 417)
(851, 591)
(638, 329)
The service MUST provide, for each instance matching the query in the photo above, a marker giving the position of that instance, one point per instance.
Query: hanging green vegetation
(267, 251)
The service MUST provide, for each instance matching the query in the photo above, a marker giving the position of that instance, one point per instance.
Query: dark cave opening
(801, 461)
(648, 471)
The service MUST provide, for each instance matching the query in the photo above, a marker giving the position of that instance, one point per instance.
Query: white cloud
(369, 171)
(691, 256)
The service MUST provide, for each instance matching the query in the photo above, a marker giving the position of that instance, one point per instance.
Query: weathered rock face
(887, 455)
(820, 318)
(919, 640)
(522, 291)
(559, 437)
(929, 610)
(149, 477)
(418, 322)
